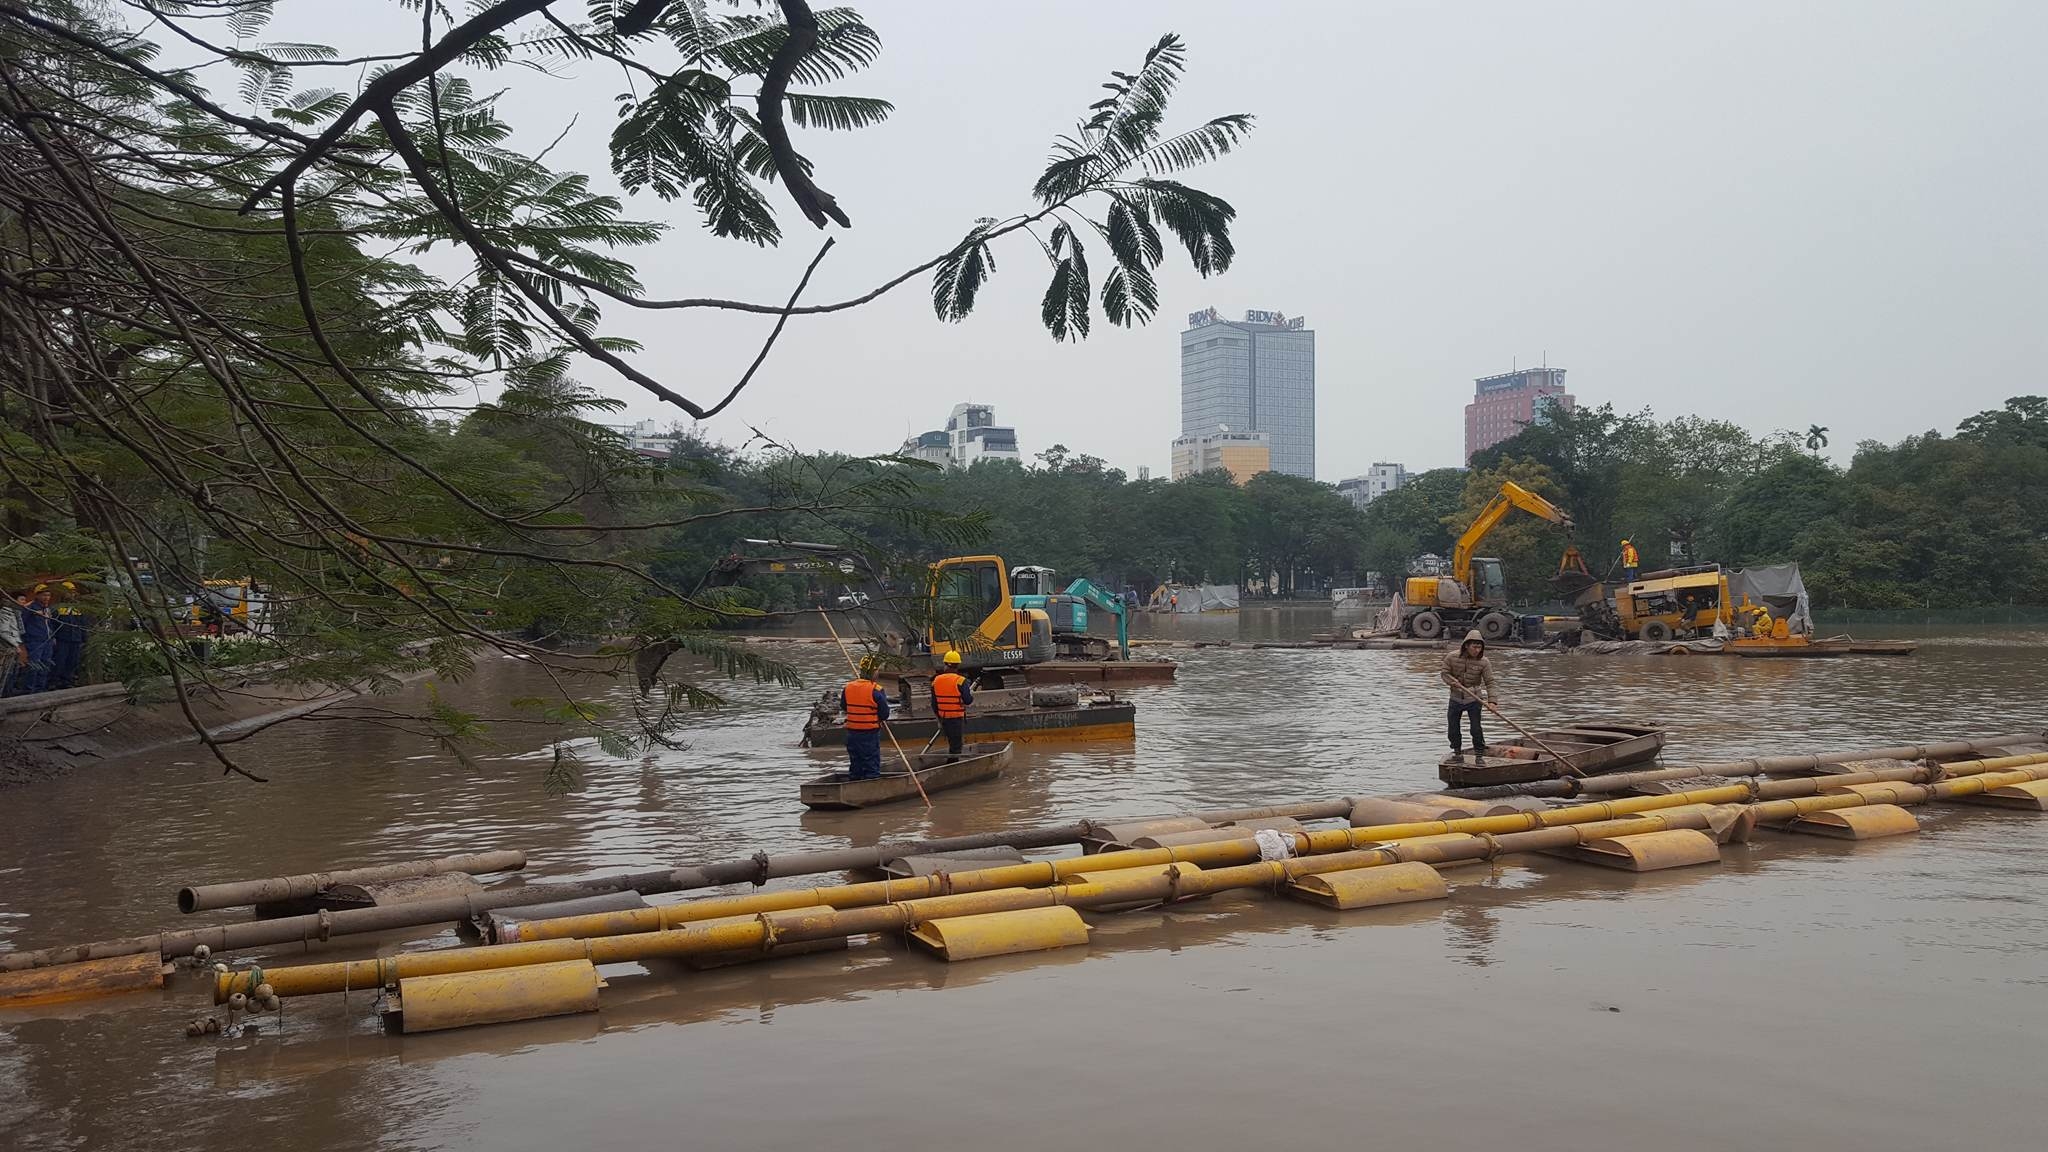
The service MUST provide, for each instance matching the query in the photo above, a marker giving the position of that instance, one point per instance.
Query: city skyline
(1679, 221)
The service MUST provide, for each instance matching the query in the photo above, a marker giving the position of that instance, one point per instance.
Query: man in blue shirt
(38, 639)
(867, 709)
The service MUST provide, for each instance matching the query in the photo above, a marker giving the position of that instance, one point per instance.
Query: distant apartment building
(1243, 454)
(970, 435)
(1378, 480)
(1255, 375)
(647, 437)
(1505, 404)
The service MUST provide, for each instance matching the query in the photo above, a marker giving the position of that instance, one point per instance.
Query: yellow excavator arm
(1511, 495)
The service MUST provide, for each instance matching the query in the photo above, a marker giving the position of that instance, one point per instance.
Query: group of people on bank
(42, 639)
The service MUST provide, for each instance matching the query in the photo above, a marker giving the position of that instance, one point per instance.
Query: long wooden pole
(1473, 695)
(1574, 769)
(823, 615)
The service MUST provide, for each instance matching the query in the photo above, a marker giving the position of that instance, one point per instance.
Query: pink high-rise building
(1502, 405)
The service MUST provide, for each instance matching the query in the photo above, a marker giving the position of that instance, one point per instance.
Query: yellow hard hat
(952, 658)
(868, 664)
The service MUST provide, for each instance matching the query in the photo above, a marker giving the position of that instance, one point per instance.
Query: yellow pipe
(796, 925)
(1039, 873)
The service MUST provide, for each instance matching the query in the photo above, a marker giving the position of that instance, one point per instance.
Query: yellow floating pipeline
(1039, 873)
(817, 923)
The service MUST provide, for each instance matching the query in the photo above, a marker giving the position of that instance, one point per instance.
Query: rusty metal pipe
(1758, 766)
(737, 933)
(277, 889)
(790, 926)
(1222, 853)
(754, 869)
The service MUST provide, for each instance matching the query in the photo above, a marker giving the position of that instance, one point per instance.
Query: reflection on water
(1799, 978)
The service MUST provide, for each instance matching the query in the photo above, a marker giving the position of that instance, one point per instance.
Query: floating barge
(1791, 648)
(1143, 670)
(1594, 747)
(1042, 712)
(936, 772)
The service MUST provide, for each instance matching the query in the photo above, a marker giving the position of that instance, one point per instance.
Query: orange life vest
(861, 714)
(946, 695)
(1628, 556)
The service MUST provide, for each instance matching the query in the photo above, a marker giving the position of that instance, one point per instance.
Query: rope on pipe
(1770, 800)
(743, 933)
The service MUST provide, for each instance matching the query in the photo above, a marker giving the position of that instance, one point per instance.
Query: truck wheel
(1657, 631)
(1496, 626)
(1427, 625)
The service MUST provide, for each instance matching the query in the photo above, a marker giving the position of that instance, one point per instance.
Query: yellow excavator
(1475, 594)
(966, 605)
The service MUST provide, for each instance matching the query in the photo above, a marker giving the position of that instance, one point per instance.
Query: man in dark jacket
(1469, 675)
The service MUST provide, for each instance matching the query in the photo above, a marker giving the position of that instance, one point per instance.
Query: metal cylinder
(435, 1003)
(1757, 766)
(277, 889)
(1587, 823)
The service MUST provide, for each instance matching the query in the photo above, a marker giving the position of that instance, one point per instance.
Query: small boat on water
(1594, 747)
(936, 771)
(1789, 647)
(1066, 712)
(1883, 647)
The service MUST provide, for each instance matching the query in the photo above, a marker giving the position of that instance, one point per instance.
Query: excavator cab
(969, 601)
(1489, 582)
(1032, 580)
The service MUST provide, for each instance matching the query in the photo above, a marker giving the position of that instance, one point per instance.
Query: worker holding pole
(1469, 675)
(867, 707)
(1630, 562)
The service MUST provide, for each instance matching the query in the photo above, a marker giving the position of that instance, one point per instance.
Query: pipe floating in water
(1721, 810)
(80, 981)
(278, 889)
(1758, 766)
(1222, 853)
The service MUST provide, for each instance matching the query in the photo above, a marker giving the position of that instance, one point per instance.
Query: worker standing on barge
(1469, 675)
(1630, 562)
(951, 696)
(867, 707)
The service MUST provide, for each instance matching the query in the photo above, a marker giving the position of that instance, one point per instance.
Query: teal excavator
(1032, 586)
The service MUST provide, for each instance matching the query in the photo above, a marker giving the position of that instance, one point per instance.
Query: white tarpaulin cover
(1778, 588)
(1195, 598)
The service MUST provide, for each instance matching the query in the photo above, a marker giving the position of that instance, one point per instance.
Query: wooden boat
(1063, 712)
(1594, 747)
(1883, 647)
(937, 771)
(1794, 647)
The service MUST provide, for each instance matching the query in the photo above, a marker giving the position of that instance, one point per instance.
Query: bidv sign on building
(1267, 319)
(1275, 319)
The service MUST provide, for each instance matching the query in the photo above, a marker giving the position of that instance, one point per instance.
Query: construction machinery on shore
(1475, 594)
(1033, 586)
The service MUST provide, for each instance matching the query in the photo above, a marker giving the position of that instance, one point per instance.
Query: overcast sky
(1780, 214)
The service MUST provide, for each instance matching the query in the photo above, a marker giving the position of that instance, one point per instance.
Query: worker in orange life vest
(951, 696)
(867, 707)
(1630, 562)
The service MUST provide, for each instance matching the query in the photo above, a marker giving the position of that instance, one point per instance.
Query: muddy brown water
(1804, 994)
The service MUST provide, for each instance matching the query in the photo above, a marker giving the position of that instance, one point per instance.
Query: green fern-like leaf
(837, 113)
(962, 273)
(1199, 220)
